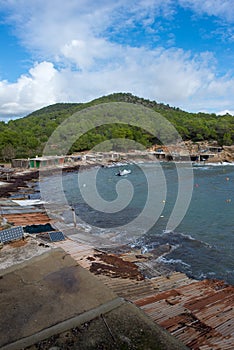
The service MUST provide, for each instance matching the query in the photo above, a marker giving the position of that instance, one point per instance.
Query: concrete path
(51, 294)
(45, 291)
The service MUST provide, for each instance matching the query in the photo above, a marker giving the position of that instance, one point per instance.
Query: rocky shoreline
(19, 178)
(165, 296)
(22, 186)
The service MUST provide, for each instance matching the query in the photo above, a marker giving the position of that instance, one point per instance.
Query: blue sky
(176, 52)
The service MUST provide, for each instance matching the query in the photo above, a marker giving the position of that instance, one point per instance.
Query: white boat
(124, 172)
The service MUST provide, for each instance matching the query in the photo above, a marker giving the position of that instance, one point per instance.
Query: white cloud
(220, 8)
(30, 92)
(226, 111)
(169, 76)
(46, 27)
(78, 62)
(85, 53)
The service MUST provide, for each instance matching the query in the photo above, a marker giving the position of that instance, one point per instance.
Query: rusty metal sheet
(200, 315)
(27, 219)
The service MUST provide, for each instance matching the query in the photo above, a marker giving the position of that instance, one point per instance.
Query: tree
(227, 139)
(8, 153)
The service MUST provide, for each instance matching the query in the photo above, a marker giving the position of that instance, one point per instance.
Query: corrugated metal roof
(22, 210)
(79, 251)
(24, 219)
(124, 287)
(199, 313)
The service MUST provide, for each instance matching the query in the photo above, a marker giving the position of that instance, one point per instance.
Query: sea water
(203, 242)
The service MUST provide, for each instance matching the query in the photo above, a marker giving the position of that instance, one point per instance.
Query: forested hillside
(27, 136)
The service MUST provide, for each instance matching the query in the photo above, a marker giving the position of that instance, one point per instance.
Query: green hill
(27, 136)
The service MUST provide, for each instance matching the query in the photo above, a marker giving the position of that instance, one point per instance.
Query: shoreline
(21, 177)
(130, 274)
(23, 184)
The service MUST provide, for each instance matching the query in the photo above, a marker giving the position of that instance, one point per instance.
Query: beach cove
(133, 272)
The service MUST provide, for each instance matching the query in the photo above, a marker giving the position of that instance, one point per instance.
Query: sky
(178, 52)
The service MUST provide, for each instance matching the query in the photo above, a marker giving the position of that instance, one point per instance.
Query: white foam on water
(26, 202)
(163, 260)
(207, 165)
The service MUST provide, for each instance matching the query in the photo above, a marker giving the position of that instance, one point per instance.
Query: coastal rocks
(226, 156)
(18, 183)
(228, 153)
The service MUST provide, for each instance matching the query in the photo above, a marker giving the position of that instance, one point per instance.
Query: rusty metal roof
(201, 314)
(24, 219)
(127, 288)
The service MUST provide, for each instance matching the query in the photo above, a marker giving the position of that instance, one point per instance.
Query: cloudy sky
(173, 51)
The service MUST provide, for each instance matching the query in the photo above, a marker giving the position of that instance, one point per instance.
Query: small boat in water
(123, 172)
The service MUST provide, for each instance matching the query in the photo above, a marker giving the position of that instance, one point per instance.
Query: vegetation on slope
(26, 137)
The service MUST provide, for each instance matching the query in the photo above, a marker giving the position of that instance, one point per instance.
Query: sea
(188, 207)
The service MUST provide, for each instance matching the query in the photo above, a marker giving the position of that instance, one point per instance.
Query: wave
(207, 275)
(184, 236)
(118, 164)
(177, 235)
(165, 232)
(201, 167)
(209, 165)
(171, 261)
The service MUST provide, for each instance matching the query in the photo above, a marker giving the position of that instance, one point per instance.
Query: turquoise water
(204, 240)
